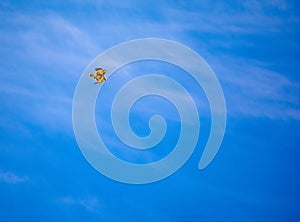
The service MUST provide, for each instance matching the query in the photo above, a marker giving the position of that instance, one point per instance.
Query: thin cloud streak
(11, 178)
(48, 41)
(90, 203)
(255, 91)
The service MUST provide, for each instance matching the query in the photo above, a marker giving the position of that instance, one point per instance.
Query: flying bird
(99, 75)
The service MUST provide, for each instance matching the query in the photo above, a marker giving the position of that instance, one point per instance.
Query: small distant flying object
(99, 75)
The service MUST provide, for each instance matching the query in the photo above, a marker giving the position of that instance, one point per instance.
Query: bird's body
(99, 75)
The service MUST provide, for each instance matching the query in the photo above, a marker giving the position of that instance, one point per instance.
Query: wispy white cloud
(53, 43)
(224, 18)
(253, 90)
(11, 178)
(65, 47)
(261, 6)
(54, 40)
(90, 203)
(52, 110)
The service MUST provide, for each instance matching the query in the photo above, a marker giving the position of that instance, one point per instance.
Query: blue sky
(254, 50)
